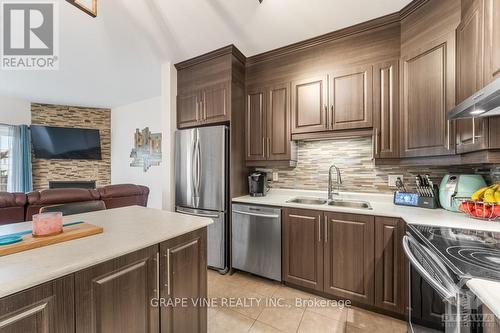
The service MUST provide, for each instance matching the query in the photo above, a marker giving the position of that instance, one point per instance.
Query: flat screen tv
(66, 143)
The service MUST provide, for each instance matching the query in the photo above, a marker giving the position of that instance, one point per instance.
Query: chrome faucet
(331, 192)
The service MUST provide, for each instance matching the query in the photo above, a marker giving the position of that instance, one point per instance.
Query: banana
(479, 194)
(489, 195)
(497, 195)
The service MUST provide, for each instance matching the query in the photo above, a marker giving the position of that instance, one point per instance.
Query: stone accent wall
(80, 117)
(359, 173)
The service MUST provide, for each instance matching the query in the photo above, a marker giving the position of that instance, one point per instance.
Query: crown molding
(230, 49)
(326, 38)
(411, 7)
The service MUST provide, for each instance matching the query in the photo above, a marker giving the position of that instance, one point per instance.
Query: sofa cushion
(124, 195)
(39, 199)
(12, 207)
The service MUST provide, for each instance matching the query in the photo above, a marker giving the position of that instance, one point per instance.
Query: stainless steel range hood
(484, 103)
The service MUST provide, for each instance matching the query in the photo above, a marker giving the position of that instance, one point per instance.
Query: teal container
(457, 186)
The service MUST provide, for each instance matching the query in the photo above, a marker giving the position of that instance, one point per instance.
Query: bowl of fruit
(484, 204)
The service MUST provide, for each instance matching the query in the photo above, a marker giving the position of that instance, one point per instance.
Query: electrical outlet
(393, 179)
(275, 176)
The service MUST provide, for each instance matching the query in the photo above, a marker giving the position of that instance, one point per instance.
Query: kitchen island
(106, 282)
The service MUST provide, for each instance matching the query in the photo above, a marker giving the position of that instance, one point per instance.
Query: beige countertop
(382, 206)
(126, 230)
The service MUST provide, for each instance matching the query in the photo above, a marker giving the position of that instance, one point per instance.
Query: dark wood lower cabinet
(115, 296)
(303, 248)
(349, 257)
(183, 276)
(120, 295)
(390, 265)
(48, 308)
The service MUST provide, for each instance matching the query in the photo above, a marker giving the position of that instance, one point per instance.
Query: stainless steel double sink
(335, 202)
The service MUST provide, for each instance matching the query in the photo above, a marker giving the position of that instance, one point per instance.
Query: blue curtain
(20, 177)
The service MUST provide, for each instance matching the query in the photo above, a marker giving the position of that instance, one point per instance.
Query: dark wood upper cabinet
(215, 99)
(183, 275)
(492, 41)
(471, 134)
(255, 131)
(278, 123)
(349, 257)
(48, 308)
(386, 109)
(303, 248)
(428, 93)
(350, 93)
(268, 138)
(188, 109)
(208, 88)
(115, 296)
(310, 105)
(390, 265)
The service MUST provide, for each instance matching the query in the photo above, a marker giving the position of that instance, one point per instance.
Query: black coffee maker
(257, 184)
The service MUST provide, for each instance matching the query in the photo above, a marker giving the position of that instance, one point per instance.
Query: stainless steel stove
(447, 258)
(467, 253)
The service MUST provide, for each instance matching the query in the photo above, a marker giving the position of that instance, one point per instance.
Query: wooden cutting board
(69, 233)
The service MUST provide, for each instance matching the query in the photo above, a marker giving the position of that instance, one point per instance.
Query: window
(5, 144)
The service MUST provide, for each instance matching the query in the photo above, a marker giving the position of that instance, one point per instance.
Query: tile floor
(257, 317)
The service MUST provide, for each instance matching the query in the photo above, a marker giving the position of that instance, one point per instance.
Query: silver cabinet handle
(326, 117)
(319, 228)
(326, 229)
(157, 290)
(268, 147)
(448, 295)
(376, 141)
(332, 116)
(263, 147)
(448, 131)
(168, 272)
(271, 216)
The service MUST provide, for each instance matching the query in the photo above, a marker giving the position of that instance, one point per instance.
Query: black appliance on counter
(443, 259)
(257, 184)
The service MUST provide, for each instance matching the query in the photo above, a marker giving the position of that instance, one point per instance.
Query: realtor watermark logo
(30, 35)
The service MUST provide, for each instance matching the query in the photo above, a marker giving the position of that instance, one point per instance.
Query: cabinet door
(349, 257)
(303, 248)
(309, 105)
(390, 265)
(471, 134)
(492, 41)
(428, 93)
(188, 106)
(350, 94)
(278, 123)
(255, 133)
(48, 308)
(215, 100)
(115, 296)
(386, 109)
(183, 276)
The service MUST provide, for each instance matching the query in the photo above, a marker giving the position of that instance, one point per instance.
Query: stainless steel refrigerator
(201, 184)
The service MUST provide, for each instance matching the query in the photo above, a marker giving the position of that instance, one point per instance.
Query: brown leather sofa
(12, 207)
(115, 196)
(39, 199)
(19, 207)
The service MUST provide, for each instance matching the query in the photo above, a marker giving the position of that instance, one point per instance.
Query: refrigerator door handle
(189, 212)
(195, 172)
(198, 160)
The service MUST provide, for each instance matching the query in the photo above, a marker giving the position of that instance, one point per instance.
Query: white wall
(155, 113)
(14, 111)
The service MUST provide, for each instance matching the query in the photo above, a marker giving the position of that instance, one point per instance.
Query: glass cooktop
(468, 253)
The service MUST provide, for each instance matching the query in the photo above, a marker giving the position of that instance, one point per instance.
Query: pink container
(47, 224)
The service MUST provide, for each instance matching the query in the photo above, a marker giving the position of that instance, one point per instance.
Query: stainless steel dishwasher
(256, 240)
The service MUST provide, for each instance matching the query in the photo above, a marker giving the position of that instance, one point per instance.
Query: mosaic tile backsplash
(359, 173)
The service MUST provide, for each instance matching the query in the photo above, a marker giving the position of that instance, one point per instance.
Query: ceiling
(115, 59)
